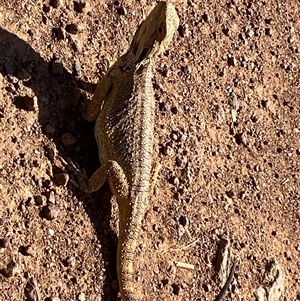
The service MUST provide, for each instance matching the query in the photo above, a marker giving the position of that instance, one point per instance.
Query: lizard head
(155, 33)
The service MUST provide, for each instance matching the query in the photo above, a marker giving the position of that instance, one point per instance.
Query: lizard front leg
(96, 102)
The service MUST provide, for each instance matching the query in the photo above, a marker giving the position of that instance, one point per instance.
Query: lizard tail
(130, 225)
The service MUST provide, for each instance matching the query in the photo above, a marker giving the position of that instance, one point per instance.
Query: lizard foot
(80, 175)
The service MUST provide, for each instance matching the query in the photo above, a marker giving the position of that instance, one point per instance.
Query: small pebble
(23, 75)
(231, 61)
(122, 11)
(74, 28)
(60, 33)
(4, 242)
(79, 6)
(29, 251)
(183, 221)
(206, 18)
(115, 285)
(31, 103)
(175, 289)
(230, 194)
(175, 181)
(268, 31)
(10, 270)
(167, 150)
(31, 291)
(34, 33)
(56, 67)
(68, 139)
(183, 30)
(71, 261)
(56, 3)
(51, 232)
(51, 211)
(50, 152)
(81, 297)
(206, 287)
(77, 69)
(61, 179)
(49, 129)
(75, 96)
(10, 67)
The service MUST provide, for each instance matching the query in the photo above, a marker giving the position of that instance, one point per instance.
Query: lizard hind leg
(112, 171)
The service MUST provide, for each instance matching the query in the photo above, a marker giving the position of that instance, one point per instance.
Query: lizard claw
(77, 172)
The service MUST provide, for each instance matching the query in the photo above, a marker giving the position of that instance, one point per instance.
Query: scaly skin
(123, 108)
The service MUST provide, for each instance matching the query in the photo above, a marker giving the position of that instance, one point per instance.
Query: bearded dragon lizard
(123, 111)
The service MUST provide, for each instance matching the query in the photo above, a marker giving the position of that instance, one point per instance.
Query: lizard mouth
(143, 54)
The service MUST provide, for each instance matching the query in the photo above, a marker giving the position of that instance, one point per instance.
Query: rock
(56, 67)
(56, 3)
(4, 242)
(77, 69)
(175, 289)
(167, 150)
(10, 270)
(49, 129)
(61, 179)
(74, 28)
(51, 232)
(115, 284)
(222, 260)
(50, 152)
(81, 297)
(51, 211)
(23, 75)
(183, 30)
(68, 139)
(27, 250)
(75, 96)
(231, 61)
(79, 6)
(122, 11)
(40, 200)
(31, 290)
(31, 103)
(70, 125)
(60, 33)
(10, 67)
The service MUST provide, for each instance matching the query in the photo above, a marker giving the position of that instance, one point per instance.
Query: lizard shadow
(56, 107)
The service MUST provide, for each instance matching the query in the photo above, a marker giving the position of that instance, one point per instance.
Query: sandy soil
(227, 134)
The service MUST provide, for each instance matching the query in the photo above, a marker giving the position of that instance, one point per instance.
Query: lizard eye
(160, 29)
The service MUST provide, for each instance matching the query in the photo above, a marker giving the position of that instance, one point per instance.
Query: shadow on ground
(60, 96)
